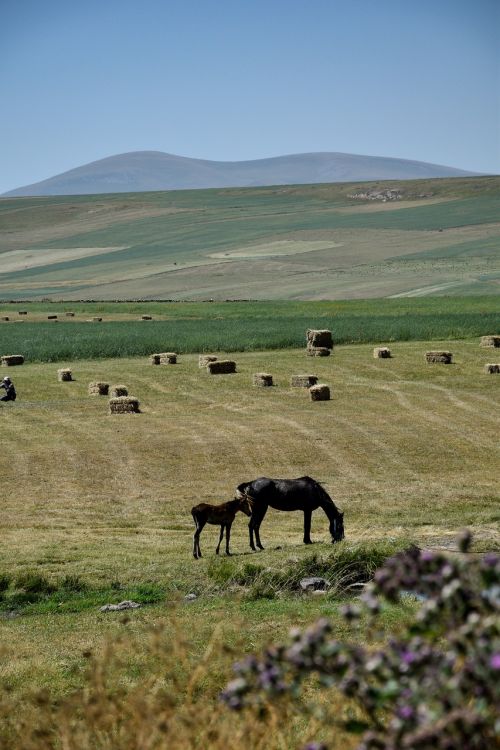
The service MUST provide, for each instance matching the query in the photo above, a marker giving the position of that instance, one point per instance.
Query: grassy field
(96, 507)
(233, 326)
(292, 242)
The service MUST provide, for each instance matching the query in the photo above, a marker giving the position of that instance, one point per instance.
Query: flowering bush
(437, 687)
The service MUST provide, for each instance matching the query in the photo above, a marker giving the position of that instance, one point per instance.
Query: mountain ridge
(144, 171)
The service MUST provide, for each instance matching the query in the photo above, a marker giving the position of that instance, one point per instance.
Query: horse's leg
(221, 535)
(307, 526)
(254, 525)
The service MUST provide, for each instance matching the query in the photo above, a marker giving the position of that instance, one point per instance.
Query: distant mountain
(139, 171)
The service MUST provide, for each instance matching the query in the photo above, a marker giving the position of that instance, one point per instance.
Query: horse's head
(337, 528)
(245, 503)
(241, 491)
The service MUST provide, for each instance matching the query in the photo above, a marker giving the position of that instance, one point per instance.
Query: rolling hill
(304, 242)
(153, 170)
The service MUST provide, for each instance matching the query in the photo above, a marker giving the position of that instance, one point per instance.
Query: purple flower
(408, 657)
(495, 661)
(406, 712)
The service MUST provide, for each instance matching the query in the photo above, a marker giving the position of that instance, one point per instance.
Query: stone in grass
(190, 597)
(127, 604)
(314, 583)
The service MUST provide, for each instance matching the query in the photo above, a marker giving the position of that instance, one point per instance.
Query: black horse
(303, 494)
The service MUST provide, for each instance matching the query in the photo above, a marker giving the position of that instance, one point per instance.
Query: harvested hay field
(112, 513)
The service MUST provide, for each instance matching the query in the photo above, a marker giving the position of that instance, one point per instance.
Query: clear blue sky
(243, 79)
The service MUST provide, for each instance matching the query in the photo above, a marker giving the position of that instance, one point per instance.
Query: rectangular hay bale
(204, 359)
(320, 392)
(124, 405)
(164, 358)
(303, 381)
(263, 379)
(9, 360)
(118, 390)
(98, 388)
(319, 338)
(493, 341)
(221, 367)
(444, 358)
(64, 375)
(317, 351)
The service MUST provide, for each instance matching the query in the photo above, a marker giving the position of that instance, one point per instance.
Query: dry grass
(404, 451)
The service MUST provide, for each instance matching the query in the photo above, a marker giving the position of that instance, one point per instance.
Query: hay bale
(263, 379)
(124, 405)
(317, 351)
(96, 320)
(221, 367)
(22, 312)
(303, 381)
(98, 388)
(118, 390)
(51, 317)
(146, 317)
(444, 358)
(70, 314)
(9, 360)
(320, 392)
(382, 352)
(164, 358)
(493, 341)
(64, 374)
(5, 317)
(321, 338)
(204, 359)
(492, 369)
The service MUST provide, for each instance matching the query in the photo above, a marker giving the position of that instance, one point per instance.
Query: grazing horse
(303, 494)
(219, 515)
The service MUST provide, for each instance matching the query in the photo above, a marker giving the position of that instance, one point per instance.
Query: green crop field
(233, 326)
(96, 509)
(289, 242)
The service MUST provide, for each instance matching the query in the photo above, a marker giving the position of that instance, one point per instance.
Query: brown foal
(218, 515)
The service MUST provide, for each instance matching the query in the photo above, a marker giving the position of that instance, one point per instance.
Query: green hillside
(437, 236)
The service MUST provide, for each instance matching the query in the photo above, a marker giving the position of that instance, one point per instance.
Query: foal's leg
(307, 526)
(228, 535)
(221, 535)
(196, 538)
